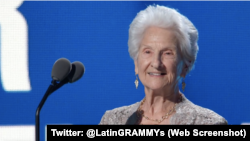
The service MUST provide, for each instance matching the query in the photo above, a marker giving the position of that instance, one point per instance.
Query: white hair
(164, 17)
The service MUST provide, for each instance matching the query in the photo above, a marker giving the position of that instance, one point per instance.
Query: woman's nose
(156, 62)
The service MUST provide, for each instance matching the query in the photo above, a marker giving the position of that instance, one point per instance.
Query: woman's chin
(155, 87)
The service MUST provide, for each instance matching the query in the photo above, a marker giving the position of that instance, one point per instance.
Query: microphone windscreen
(76, 72)
(61, 69)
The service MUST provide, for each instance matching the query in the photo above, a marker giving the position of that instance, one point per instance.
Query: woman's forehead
(156, 35)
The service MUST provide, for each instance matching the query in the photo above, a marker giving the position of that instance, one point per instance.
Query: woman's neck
(160, 101)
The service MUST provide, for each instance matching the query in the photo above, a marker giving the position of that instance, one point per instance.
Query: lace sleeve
(111, 117)
(210, 118)
(104, 120)
(120, 115)
(188, 113)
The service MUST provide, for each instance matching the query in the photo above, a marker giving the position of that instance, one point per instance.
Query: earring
(183, 84)
(136, 81)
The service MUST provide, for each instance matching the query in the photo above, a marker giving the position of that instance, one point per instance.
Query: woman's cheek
(170, 78)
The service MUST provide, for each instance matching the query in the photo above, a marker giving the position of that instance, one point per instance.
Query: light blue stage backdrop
(96, 33)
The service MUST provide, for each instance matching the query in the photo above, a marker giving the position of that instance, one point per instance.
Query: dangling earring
(136, 81)
(183, 84)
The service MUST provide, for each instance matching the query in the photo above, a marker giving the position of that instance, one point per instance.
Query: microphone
(61, 69)
(62, 72)
(76, 72)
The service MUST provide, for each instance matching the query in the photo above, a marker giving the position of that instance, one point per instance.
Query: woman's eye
(147, 51)
(169, 53)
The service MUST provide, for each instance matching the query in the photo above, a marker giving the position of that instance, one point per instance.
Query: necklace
(140, 112)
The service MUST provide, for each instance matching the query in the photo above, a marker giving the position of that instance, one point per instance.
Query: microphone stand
(53, 87)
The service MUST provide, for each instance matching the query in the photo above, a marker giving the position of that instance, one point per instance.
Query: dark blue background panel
(96, 33)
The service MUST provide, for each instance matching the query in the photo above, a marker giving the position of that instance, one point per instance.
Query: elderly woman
(163, 45)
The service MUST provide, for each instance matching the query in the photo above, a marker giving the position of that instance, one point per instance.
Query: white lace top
(187, 113)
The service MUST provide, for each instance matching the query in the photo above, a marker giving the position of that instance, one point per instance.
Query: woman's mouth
(156, 74)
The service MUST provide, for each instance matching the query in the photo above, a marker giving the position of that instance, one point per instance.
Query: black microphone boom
(62, 73)
(76, 72)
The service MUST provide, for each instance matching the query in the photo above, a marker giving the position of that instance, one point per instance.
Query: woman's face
(158, 59)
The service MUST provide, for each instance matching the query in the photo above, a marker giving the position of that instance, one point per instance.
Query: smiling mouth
(156, 74)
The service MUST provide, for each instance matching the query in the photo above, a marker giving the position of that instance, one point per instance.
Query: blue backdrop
(96, 33)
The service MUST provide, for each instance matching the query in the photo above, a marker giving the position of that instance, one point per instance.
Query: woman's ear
(136, 66)
(184, 71)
